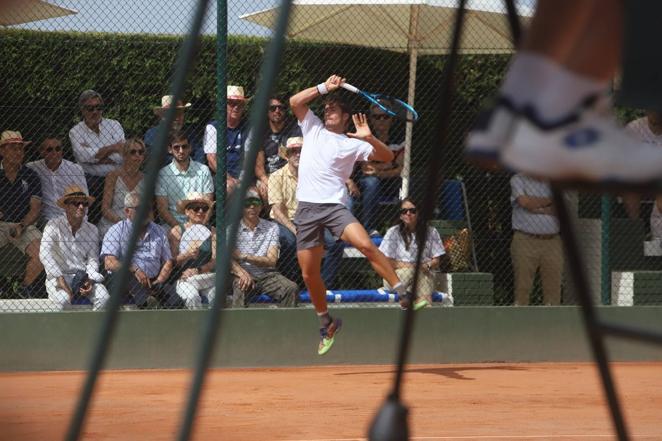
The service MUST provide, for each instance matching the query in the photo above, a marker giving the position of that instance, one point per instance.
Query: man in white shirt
(56, 174)
(327, 160)
(97, 145)
(69, 252)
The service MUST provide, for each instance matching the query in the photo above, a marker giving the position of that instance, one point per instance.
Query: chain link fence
(87, 90)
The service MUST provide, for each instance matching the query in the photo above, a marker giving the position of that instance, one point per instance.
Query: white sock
(549, 87)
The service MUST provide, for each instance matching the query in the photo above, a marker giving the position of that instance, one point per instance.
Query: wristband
(321, 88)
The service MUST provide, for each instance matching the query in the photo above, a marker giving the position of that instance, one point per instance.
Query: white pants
(99, 295)
(195, 287)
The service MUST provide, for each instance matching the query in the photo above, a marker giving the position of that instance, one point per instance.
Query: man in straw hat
(70, 253)
(20, 208)
(178, 125)
(236, 136)
(152, 262)
(283, 201)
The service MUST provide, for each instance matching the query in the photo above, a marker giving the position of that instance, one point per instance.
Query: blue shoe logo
(581, 138)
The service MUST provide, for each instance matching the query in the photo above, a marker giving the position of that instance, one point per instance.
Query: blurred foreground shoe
(327, 336)
(490, 132)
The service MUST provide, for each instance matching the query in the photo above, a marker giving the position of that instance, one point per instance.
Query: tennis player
(327, 160)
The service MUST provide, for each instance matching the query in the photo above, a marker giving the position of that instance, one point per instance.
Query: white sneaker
(490, 133)
(588, 148)
(374, 233)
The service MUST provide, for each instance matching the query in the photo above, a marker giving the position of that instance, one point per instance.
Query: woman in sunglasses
(400, 246)
(121, 181)
(194, 251)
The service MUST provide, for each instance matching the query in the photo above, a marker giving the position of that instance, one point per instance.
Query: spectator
(70, 253)
(257, 254)
(283, 201)
(536, 241)
(377, 179)
(20, 207)
(97, 144)
(647, 129)
(152, 261)
(178, 125)
(121, 181)
(180, 178)
(401, 248)
(56, 174)
(269, 158)
(236, 135)
(193, 248)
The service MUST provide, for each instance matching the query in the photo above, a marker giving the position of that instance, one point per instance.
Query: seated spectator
(97, 145)
(70, 253)
(379, 180)
(283, 201)
(121, 181)
(152, 261)
(181, 177)
(401, 248)
(193, 248)
(197, 152)
(236, 136)
(56, 174)
(256, 255)
(20, 208)
(269, 158)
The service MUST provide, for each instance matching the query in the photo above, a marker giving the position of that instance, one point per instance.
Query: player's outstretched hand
(362, 128)
(334, 82)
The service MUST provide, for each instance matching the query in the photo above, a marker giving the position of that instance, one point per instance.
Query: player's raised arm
(299, 102)
(380, 152)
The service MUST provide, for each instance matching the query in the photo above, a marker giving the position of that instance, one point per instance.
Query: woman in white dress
(399, 245)
(121, 181)
(193, 247)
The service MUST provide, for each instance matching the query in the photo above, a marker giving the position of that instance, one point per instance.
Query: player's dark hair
(337, 99)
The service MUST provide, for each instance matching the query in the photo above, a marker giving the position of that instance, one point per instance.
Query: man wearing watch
(152, 261)
(20, 208)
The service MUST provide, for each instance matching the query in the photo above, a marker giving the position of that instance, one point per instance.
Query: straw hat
(74, 192)
(293, 142)
(236, 93)
(166, 103)
(191, 198)
(12, 137)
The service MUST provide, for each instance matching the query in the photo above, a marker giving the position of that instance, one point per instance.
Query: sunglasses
(294, 151)
(234, 103)
(78, 203)
(381, 116)
(53, 149)
(408, 210)
(198, 208)
(252, 202)
(180, 146)
(275, 107)
(134, 152)
(93, 108)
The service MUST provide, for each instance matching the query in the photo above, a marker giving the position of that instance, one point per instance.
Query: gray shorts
(311, 219)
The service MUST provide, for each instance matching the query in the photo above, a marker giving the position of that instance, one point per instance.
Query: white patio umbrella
(14, 12)
(416, 27)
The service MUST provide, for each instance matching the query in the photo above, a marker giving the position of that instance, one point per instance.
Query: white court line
(487, 437)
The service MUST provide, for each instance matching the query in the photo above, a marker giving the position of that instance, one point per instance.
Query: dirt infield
(447, 402)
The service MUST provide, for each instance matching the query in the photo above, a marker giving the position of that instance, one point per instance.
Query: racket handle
(349, 87)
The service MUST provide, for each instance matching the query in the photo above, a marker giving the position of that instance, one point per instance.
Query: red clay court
(484, 402)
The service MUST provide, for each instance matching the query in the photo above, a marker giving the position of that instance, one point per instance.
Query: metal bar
(434, 184)
(267, 80)
(605, 264)
(624, 331)
(185, 58)
(593, 328)
(220, 179)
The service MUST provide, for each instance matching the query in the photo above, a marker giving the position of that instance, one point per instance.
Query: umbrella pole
(411, 92)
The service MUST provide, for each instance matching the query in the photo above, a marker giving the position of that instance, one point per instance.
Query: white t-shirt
(393, 246)
(85, 143)
(327, 160)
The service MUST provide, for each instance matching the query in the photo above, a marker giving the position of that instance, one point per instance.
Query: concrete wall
(267, 337)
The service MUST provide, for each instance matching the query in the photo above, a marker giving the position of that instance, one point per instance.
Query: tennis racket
(392, 106)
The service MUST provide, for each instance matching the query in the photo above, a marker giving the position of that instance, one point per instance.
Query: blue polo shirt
(15, 196)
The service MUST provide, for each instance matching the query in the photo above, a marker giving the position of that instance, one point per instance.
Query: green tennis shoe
(327, 336)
